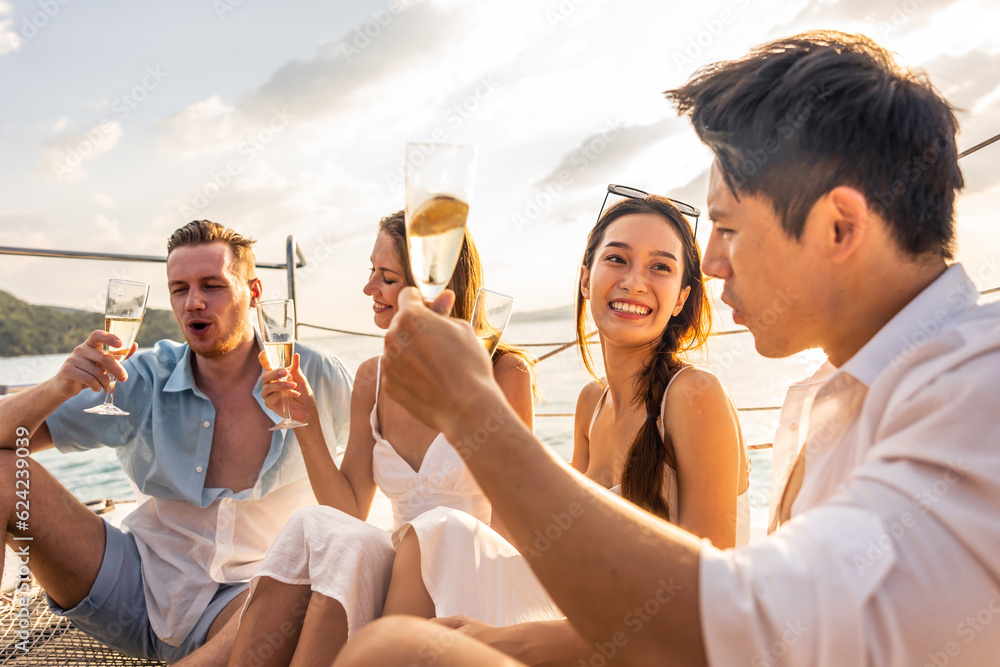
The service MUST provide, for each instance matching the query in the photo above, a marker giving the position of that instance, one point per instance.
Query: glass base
(287, 423)
(106, 409)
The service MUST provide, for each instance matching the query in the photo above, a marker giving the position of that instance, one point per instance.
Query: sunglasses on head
(635, 193)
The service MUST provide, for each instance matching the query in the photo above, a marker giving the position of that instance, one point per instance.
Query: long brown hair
(465, 281)
(642, 473)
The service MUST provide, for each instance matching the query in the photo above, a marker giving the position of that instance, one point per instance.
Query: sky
(121, 121)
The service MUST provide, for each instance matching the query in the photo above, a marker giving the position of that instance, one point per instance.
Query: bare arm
(586, 403)
(514, 378)
(705, 430)
(87, 367)
(546, 643)
(350, 490)
(627, 557)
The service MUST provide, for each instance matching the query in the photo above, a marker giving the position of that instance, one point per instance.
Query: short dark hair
(199, 232)
(800, 116)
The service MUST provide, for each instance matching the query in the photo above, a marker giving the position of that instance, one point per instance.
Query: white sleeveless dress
(349, 560)
(470, 570)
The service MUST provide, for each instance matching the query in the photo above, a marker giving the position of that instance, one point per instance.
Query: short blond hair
(200, 232)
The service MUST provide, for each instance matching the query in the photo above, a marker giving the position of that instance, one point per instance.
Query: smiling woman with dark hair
(659, 432)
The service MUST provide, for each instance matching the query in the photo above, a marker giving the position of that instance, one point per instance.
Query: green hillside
(27, 329)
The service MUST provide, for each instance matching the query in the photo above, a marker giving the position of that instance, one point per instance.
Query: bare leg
(58, 525)
(324, 633)
(270, 628)
(405, 641)
(407, 592)
(221, 636)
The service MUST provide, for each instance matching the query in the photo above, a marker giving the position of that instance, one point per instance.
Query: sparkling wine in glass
(122, 316)
(277, 328)
(439, 180)
(490, 316)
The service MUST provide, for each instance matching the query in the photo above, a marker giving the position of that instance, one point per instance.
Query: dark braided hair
(642, 474)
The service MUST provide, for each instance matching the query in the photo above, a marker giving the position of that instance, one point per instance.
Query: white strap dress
(349, 560)
(470, 570)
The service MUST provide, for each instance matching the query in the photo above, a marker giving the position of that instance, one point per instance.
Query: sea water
(753, 382)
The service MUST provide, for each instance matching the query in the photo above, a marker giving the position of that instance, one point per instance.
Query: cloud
(205, 126)
(10, 41)
(103, 200)
(70, 151)
(23, 230)
(405, 66)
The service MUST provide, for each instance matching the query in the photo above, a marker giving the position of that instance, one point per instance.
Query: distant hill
(27, 329)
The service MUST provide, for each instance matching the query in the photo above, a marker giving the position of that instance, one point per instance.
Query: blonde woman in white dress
(328, 571)
(656, 431)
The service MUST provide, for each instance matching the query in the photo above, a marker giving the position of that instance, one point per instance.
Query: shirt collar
(920, 320)
(182, 377)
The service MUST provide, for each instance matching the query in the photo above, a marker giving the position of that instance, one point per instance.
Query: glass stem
(284, 403)
(110, 399)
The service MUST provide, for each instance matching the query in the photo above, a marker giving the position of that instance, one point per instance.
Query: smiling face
(775, 284)
(386, 280)
(211, 297)
(635, 282)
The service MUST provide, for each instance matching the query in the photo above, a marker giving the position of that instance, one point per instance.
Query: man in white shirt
(216, 485)
(831, 198)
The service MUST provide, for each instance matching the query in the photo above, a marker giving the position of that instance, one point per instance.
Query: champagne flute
(277, 328)
(123, 312)
(490, 316)
(439, 181)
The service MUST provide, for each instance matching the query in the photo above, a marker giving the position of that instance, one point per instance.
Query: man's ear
(848, 220)
(585, 282)
(256, 289)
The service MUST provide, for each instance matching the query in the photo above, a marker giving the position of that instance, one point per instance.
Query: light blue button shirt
(164, 445)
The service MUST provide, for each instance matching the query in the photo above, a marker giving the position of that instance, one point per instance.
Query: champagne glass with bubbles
(439, 180)
(490, 316)
(277, 328)
(122, 316)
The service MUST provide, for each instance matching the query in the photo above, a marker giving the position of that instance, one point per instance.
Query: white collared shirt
(892, 554)
(192, 537)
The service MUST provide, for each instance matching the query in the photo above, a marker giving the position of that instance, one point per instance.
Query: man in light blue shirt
(215, 484)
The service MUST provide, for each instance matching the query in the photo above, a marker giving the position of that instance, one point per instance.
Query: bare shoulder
(696, 389)
(586, 402)
(511, 368)
(366, 379)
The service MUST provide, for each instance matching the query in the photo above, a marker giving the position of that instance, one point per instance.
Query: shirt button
(794, 426)
(198, 469)
(207, 424)
(229, 501)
